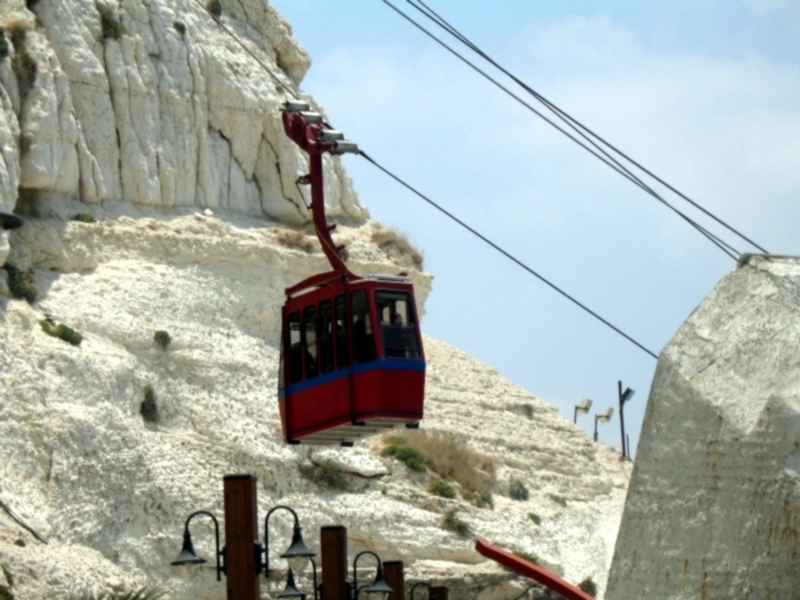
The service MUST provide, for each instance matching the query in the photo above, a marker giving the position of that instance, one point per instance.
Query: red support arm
(535, 572)
(307, 137)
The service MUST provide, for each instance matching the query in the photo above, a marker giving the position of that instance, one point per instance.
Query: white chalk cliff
(170, 136)
(713, 507)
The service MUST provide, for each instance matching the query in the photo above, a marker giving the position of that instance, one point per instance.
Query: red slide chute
(528, 569)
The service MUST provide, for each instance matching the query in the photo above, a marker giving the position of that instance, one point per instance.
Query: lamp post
(188, 556)
(9, 220)
(379, 590)
(298, 555)
(603, 417)
(243, 562)
(623, 398)
(582, 407)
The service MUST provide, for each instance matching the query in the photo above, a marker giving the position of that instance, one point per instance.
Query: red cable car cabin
(352, 363)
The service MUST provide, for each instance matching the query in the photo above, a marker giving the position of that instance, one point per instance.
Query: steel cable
(579, 128)
(506, 254)
(453, 217)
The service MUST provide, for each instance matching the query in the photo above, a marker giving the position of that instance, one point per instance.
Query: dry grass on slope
(448, 457)
(396, 245)
(298, 240)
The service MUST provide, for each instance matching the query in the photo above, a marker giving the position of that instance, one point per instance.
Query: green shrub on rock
(482, 500)
(518, 491)
(148, 408)
(61, 331)
(588, 586)
(162, 338)
(453, 523)
(442, 489)
(324, 474)
(214, 7)
(531, 558)
(411, 457)
(109, 24)
(21, 283)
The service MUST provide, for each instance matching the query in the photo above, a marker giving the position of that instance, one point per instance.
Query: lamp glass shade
(627, 394)
(379, 590)
(188, 556)
(584, 405)
(298, 564)
(298, 553)
(291, 591)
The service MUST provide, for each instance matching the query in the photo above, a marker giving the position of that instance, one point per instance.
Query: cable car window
(295, 348)
(310, 340)
(325, 337)
(363, 342)
(342, 349)
(398, 325)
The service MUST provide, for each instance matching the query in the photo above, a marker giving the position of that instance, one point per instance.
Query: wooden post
(439, 593)
(393, 572)
(333, 543)
(241, 533)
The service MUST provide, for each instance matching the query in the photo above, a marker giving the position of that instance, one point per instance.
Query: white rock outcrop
(713, 508)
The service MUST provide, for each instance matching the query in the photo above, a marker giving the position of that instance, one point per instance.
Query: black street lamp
(623, 398)
(9, 220)
(188, 556)
(291, 591)
(379, 590)
(298, 555)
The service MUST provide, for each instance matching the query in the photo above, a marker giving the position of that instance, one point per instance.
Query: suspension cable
(505, 253)
(459, 221)
(439, 20)
(609, 160)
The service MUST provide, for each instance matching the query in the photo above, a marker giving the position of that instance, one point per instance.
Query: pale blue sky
(706, 94)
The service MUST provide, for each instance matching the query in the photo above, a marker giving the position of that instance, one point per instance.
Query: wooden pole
(393, 572)
(333, 542)
(241, 533)
(439, 593)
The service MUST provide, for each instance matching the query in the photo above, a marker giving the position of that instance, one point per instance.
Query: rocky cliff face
(714, 502)
(170, 136)
(153, 103)
(110, 490)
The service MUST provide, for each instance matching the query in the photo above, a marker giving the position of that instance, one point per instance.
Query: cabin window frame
(405, 341)
(365, 348)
